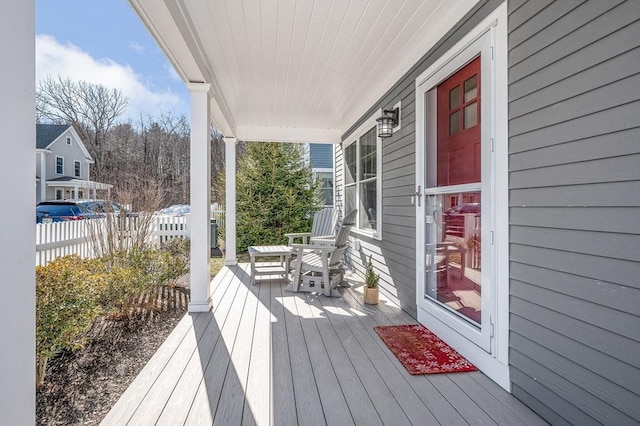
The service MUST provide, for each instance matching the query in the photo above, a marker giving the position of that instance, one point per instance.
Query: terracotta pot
(371, 295)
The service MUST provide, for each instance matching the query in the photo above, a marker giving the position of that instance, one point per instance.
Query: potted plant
(371, 280)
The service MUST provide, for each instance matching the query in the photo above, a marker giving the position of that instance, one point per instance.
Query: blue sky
(104, 42)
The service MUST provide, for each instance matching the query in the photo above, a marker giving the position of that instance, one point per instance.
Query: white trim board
(353, 138)
(490, 38)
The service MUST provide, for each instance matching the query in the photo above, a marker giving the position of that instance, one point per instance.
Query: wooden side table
(283, 252)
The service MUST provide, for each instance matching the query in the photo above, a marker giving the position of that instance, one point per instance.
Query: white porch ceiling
(298, 71)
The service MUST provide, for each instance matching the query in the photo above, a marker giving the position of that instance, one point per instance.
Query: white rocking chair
(318, 267)
(325, 222)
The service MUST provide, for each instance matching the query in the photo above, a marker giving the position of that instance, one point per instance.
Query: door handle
(418, 194)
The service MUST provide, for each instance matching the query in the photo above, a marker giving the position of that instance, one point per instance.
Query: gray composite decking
(269, 357)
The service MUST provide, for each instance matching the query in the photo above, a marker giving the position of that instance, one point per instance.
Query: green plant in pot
(371, 281)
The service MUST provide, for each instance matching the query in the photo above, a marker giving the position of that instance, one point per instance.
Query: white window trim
(359, 132)
(69, 140)
(79, 168)
(56, 165)
(333, 177)
(495, 128)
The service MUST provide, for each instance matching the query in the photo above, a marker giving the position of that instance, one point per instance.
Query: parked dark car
(60, 211)
(464, 208)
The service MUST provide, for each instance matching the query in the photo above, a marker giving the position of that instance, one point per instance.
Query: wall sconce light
(386, 123)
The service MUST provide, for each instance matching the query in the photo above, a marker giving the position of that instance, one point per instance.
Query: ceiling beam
(288, 134)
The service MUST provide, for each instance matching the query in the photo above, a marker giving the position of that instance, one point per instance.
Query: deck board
(132, 398)
(257, 408)
(306, 396)
(357, 398)
(177, 408)
(208, 394)
(440, 410)
(527, 416)
(471, 412)
(385, 402)
(266, 356)
(283, 401)
(492, 407)
(396, 377)
(231, 405)
(334, 404)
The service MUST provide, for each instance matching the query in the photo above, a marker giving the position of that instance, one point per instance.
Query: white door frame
(490, 355)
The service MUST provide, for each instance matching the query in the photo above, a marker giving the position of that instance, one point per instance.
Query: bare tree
(122, 230)
(150, 149)
(164, 149)
(91, 108)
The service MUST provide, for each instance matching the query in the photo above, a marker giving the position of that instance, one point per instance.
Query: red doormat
(421, 351)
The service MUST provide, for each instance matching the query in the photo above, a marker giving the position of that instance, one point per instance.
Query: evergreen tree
(276, 194)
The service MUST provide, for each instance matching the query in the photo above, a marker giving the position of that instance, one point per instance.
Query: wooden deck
(269, 357)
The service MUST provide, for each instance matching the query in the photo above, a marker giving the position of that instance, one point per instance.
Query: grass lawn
(216, 263)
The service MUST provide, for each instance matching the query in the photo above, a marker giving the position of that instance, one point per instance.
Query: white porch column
(230, 201)
(200, 198)
(43, 176)
(17, 213)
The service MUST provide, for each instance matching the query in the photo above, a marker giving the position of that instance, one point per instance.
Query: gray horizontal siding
(623, 349)
(574, 179)
(321, 156)
(611, 194)
(621, 246)
(338, 171)
(619, 143)
(394, 255)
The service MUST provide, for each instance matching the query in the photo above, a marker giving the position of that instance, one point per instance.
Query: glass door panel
(454, 253)
(453, 188)
(456, 270)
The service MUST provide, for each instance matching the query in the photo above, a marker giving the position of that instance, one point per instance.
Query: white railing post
(17, 213)
(200, 198)
(230, 201)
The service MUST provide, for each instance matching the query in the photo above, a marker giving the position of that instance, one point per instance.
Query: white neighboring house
(62, 165)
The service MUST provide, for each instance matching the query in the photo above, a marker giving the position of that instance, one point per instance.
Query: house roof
(291, 71)
(47, 133)
(64, 179)
(68, 181)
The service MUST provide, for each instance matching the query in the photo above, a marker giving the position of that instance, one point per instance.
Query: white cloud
(137, 47)
(54, 58)
(172, 72)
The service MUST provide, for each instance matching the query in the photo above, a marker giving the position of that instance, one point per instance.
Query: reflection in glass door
(454, 195)
(453, 248)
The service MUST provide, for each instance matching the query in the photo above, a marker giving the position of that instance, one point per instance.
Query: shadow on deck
(266, 356)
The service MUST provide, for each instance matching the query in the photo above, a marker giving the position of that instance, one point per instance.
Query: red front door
(459, 127)
(453, 236)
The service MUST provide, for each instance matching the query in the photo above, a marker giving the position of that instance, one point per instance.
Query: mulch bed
(81, 387)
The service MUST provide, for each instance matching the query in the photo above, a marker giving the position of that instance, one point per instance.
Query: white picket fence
(72, 237)
(61, 239)
(168, 227)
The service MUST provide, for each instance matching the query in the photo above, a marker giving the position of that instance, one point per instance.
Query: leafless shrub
(133, 225)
